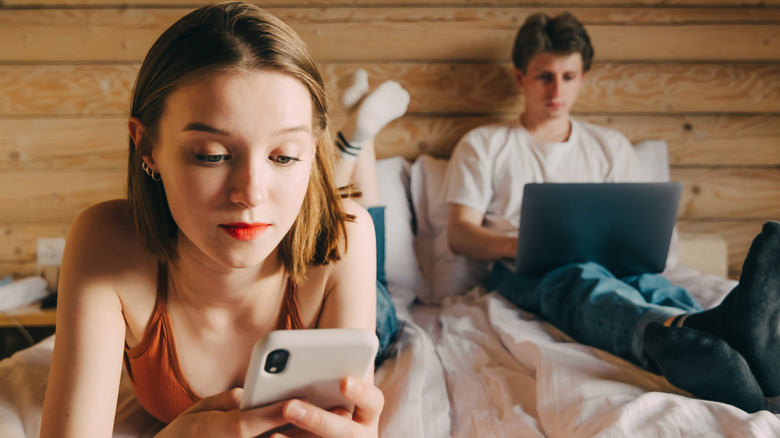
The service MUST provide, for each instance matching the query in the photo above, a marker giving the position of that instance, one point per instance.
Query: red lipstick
(243, 231)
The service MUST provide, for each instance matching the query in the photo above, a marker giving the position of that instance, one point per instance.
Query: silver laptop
(625, 227)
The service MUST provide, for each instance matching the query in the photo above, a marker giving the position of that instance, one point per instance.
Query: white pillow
(401, 267)
(443, 272)
(654, 156)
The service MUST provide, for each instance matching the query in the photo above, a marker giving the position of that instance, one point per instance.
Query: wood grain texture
(729, 193)
(692, 140)
(55, 197)
(64, 144)
(66, 90)
(77, 90)
(96, 143)
(105, 35)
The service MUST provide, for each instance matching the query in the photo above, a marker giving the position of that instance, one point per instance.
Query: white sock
(388, 102)
(354, 88)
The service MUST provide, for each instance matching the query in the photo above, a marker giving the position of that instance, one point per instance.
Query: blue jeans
(386, 320)
(594, 307)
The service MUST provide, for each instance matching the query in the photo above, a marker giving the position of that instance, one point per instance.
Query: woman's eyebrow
(295, 129)
(202, 127)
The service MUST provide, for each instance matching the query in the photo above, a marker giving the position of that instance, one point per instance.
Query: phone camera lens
(276, 361)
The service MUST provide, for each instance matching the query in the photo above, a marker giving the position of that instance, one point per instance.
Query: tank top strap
(153, 365)
(162, 285)
(161, 298)
(153, 325)
(290, 313)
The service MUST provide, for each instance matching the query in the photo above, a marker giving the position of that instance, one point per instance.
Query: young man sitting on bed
(726, 354)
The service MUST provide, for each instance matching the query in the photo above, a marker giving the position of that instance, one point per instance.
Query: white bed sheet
(510, 374)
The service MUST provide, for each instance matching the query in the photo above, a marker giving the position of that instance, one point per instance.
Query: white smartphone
(307, 364)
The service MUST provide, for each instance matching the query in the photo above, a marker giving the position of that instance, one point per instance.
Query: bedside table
(39, 323)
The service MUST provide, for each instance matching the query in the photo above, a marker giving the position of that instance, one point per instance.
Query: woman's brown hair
(234, 37)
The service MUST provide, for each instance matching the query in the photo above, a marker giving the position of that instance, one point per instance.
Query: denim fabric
(386, 320)
(594, 307)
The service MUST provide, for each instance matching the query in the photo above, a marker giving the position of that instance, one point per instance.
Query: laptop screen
(625, 227)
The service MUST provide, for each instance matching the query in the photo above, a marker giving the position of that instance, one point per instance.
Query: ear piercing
(155, 175)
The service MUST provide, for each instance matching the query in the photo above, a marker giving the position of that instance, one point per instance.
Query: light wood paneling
(58, 90)
(729, 193)
(692, 140)
(75, 90)
(72, 35)
(63, 144)
(54, 197)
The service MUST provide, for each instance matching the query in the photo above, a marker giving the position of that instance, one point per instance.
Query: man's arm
(467, 236)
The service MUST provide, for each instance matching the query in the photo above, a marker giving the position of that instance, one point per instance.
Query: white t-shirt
(491, 164)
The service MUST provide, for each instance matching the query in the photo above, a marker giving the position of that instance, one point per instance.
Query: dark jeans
(594, 307)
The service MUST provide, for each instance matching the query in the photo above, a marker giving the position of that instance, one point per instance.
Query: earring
(155, 175)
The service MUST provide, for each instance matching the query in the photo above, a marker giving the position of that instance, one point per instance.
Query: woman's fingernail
(296, 411)
(350, 386)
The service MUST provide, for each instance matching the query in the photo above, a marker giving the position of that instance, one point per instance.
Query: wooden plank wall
(702, 74)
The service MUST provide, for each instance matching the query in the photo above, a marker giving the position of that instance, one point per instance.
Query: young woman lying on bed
(233, 227)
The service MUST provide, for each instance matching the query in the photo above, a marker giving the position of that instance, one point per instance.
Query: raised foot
(704, 365)
(749, 317)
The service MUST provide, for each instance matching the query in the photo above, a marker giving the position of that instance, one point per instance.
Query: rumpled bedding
(510, 374)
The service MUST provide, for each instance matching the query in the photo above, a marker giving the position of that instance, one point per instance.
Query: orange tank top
(153, 366)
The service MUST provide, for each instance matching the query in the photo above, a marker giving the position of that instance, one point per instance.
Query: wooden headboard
(704, 75)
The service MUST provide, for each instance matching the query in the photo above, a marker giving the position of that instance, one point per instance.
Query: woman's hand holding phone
(287, 367)
(363, 422)
(218, 416)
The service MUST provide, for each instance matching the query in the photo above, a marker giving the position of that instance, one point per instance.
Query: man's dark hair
(562, 35)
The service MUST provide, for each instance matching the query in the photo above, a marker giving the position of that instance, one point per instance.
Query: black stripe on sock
(345, 147)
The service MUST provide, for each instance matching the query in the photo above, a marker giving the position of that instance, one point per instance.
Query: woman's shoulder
(105, 221)
(359, 238)
(106, 262)
(362, 222)
(115, 209)
(354, 208)
(105, 234)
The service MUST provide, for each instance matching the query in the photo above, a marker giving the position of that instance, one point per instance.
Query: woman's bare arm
(87, 361)
(350, 294)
